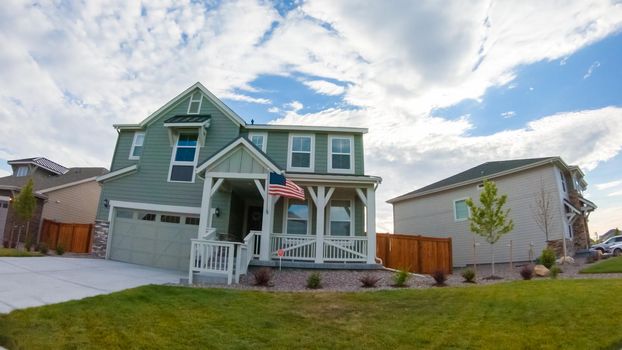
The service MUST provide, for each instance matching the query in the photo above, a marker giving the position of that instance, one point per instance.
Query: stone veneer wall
(579, 226)
(100, 238)
(558, 246)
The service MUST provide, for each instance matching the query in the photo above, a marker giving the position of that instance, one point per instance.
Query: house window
(192, 221)
(297, 217)
(173, 219)
(194, 107)
(22, 171)
(340, 218)
(461, 210)
(184, 158)
(259, 140)
(340, 154)
(137, 145)
(300, 152)
(563, 181)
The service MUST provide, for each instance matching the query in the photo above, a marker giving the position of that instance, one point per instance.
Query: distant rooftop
(43, 163)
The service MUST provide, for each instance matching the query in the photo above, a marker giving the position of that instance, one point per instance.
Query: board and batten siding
(433, 216)
(73, 205)
(150, 183)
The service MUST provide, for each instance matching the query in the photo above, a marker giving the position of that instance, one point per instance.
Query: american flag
(280, 186)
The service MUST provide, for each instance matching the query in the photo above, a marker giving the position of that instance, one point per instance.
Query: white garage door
(153, 238)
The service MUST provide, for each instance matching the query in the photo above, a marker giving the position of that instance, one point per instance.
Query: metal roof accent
(188, 119)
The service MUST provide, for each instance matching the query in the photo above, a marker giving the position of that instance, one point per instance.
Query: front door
(254, 219)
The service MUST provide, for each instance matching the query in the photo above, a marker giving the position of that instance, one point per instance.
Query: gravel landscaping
(349, 280)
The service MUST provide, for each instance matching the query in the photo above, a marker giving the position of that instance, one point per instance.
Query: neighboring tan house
(440, 210)
(194, 170)
(68, 195)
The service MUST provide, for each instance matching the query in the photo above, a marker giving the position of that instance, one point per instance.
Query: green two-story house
(187, 190)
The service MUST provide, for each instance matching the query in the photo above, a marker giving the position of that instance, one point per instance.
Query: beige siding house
(76, 203)
(439, 210)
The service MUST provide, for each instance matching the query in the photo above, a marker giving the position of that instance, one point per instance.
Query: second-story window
(184, 158)
(461, 210)
(340, 154)
(22, 171)
(194, 107)
(563, 178)
(137, 145)
(300, 156)
(259, 139)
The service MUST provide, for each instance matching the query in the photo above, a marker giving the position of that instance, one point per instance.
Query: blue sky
(442, 86)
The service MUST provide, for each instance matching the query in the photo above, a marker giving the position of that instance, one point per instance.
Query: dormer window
(22, 171)
(137, 145)
(341, 154)
(194, 107)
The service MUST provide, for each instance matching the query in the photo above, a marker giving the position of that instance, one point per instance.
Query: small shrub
(440, 277)
(527, 272)
(263, 276)
(555, 270)
(28, 244)
(5, 244)
(400, 277)
(468, 275)
(369, 281)
(548, 258)
(42, 248)
(60, 250)
(314, 281)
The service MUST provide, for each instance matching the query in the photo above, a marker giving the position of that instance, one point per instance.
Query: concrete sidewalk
(27, 282)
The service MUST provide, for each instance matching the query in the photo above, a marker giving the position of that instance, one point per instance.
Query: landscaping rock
(541, 271)
(565, 260)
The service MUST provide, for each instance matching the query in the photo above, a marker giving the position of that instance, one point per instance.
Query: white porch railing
(345, 249)
(295, 247)
(256, 243)
(212, 257)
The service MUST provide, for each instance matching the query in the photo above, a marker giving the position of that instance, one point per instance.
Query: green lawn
(611, 265)
(543, 314)
(15, 252)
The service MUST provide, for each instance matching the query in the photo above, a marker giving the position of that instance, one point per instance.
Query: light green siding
(277, 148)
(150, 184)
(121, 155)
(359, 155)
(321, 155)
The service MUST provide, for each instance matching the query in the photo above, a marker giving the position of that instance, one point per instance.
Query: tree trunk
(492, 248)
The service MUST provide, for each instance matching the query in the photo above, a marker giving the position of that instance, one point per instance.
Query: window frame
(352, 217)
(456, 219)
(184, 163)
(309, 216)
(134, 145)
(330, 154)
(290, 153)
(200, 101)
(20, 167)
(264, 135)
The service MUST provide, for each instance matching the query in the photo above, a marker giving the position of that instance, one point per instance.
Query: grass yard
(611, 265)
(543, 314)
(14, 252)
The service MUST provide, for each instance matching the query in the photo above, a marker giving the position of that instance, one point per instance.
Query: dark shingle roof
(43, 163)
(195, 118)
(482, 170)
(45, 182)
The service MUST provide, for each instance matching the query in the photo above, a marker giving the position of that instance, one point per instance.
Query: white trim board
(307, 128)
(118, 172)
(155, 207)
(60, 187)
(245, 143)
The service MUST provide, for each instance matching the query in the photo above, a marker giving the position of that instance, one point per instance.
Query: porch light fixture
(217, 212)
(106, 203)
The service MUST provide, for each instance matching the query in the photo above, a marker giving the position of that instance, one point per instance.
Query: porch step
(312, 265)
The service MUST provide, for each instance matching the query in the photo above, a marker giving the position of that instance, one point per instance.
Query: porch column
(371, 225)
(266, 223)
(320, 204)
(206, 204)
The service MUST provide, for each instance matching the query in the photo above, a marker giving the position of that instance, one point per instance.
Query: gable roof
(208, 94)
(41, 162)
(261, 156)
(478, 173)
(73, 176)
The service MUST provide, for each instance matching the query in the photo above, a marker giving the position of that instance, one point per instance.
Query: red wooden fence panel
(75, 238)
(417, 254)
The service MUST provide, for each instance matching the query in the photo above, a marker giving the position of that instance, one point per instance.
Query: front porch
(335, 224)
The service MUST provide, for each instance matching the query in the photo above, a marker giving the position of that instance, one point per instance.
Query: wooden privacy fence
(74, 238)
(416, 253)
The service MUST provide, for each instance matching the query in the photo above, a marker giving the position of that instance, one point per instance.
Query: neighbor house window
(184, 158)
(22, 171)
(340, 218)
(461, 210)
(300, 152)
(297, 219)
(194, 107)
(259, 139)
(137, 145)
(340, 154)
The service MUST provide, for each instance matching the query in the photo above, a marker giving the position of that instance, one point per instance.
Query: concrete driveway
(27, 282)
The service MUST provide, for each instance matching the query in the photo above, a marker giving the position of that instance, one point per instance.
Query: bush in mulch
(369, 281)
(440, 277)
(527, 272)
(263, 276)
(468, 275)
(400, 277)
(314, 281)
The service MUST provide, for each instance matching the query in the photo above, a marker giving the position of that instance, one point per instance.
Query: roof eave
(307, 128)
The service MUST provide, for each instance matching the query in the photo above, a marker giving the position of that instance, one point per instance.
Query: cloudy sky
(441, 86)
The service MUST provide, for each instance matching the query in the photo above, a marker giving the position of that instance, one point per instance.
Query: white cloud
(616, 193)
(325, 87)
(608, 185)
(4, 173)
(274, 110)
(508, 114)
(294, 106)
(245, 98)
(590, 70)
